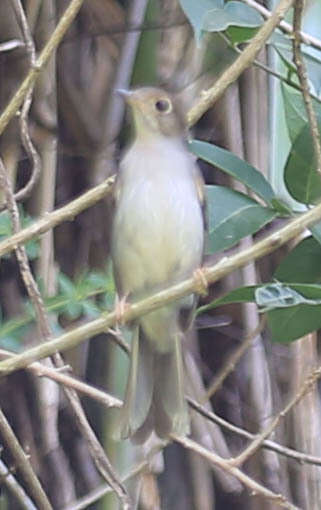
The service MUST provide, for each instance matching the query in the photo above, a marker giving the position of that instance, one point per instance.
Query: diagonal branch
(286, 27)
(22, 461)
(240, 64)
(303, 79)
(60, 30)
(211, 273)
(64, 213)
(254, 487)
(100, 458)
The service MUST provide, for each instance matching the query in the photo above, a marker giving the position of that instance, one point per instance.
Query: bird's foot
(121, 306)
(199, 277)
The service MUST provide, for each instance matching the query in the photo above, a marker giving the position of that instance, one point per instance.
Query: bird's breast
(158, 228)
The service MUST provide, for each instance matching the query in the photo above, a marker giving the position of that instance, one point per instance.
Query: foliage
(87, 296)
(286, 287)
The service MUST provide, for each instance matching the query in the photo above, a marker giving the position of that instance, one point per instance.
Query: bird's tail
(154, 398)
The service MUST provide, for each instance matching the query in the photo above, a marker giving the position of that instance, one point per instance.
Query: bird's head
(154, 112)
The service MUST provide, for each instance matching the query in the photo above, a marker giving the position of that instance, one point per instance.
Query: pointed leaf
(295, 110)
(232, 216)
(196, 12)
(240, 295)
(300, 175)
(233, 13)
(316, 231)
(234, 166)
(292, 323)
(302, 264)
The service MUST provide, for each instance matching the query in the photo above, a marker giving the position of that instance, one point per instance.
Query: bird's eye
(163, 106)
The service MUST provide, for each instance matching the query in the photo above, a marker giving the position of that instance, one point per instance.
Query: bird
(157, 240)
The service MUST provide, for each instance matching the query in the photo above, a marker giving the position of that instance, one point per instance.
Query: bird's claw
(121, 306)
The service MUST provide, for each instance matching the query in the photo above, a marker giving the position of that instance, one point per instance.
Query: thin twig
(110, 401)
(211, 95)
(101, 491)
(211, 273)
(64, 213)
(28, 279)
(61, 377)
(269, 70)
(303, 78)
(14, 488)
(24, 130)
(97, 452)
(21, 460)
(60, 30)
(286, 27)
(234, 358)
(267, 443)
(254, 487)
(253, 447)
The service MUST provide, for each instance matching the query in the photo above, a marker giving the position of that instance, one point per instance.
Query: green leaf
(196, 12)
(66, 285)
(5, 224)
(300, 175)
(233, 13)
(32, 247)
(239, 35)
(90, 309)
(316, 231)
(295, 110)
(72, 310)
(285, 55)
(292, 323)
(240, 295)
(108, 302)
(232, 216)
(302, 264)
(281, 207)
(234, 166)
(10, 343)
(279, 295)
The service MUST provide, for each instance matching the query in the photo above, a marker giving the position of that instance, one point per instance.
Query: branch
(286, 27)
(254, 487)
(60, 30)
(51, 220)
(14, 488)
(60, 376)
(26, 140)
(303, 78)
(108, 400)
(211, 273)
(22, 462)
(240, 64)
(257, 442)
(267, 443)
(100, 458)
(234, 358)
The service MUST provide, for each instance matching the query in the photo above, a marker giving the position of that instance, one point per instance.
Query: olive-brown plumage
(157, 240)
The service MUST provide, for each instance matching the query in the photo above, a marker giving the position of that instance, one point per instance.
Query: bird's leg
(199, 277)
(121, 306)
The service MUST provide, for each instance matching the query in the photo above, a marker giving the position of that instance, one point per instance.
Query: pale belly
(158, 234)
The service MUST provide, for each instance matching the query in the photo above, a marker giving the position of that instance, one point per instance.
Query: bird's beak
(126, 94)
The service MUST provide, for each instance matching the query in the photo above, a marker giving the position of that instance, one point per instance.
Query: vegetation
(250, 86)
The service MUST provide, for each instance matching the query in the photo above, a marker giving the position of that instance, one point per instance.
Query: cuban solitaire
(157, 240)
